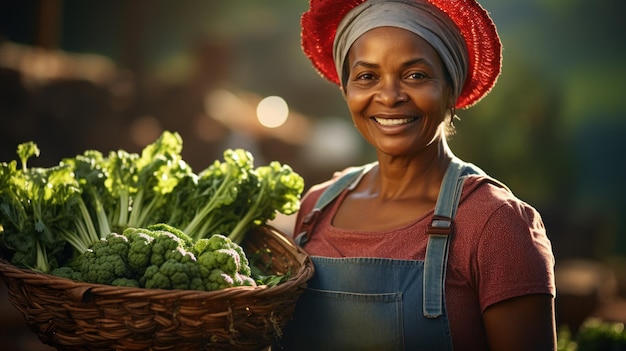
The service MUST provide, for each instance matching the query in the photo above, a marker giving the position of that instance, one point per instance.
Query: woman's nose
(392, 93)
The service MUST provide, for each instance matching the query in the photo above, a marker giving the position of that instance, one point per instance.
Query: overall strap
(439, 234)
(327, 197)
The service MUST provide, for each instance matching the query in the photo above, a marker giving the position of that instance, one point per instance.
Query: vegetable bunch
(161, 257)
(49, 216)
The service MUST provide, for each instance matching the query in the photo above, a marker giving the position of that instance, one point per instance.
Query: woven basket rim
(300, 277)
(72, 315)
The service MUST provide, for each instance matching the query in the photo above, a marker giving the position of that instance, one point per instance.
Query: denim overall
(378, 303)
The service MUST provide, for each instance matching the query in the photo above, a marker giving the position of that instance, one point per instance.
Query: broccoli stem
(91, 235)
(195, 228)
(139, 214)
(238, 233)
(75, 240)
(84, 234)
(136, 209)
(41, 264)
(101, 216)
(122, 215)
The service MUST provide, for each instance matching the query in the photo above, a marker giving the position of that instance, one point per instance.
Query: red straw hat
(319, 25)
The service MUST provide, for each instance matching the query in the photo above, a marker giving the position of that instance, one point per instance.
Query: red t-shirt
(499, 250)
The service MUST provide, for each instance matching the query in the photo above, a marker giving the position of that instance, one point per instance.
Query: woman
(419, 250)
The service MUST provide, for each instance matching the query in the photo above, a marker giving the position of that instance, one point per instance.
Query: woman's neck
(412, 175)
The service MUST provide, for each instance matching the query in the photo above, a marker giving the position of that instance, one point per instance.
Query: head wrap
(319, 28)
(418, 17)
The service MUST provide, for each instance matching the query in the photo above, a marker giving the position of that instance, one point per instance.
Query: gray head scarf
(416, 16)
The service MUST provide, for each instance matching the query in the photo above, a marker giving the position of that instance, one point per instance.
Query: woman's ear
(343, 91)
(451, 99)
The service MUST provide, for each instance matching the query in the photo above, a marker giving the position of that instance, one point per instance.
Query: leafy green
(49, 216)
(34, 207)
(232, 196)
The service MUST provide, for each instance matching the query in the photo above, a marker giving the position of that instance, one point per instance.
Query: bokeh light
(272, 111)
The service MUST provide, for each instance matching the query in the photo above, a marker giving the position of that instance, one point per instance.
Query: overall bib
(363, 303)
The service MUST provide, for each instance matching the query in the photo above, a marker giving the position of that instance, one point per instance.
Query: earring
(453, 115)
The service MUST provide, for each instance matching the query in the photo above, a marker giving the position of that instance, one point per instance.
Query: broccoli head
(131, 283)
(139, 249)
(219, 251)
(164, 243)
(105, 261)
(222, 263)
(172, 274)
(67, 272)
(162, 227)
(218, 279)
(225, 259)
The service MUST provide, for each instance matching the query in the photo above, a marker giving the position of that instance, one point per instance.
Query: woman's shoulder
(316, 190)
(311, 196)
(487, 188)
(491, 196)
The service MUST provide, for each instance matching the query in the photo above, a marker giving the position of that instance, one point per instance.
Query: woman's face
(396, 91)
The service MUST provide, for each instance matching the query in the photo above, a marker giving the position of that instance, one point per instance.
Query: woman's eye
(416, 75)
(365, 76)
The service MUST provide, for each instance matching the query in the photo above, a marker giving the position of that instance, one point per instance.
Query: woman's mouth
(393, 121)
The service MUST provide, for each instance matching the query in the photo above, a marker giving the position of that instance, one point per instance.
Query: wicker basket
(81, 316)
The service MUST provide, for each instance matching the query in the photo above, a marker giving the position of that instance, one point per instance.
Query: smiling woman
(398, 102)
(418, 250)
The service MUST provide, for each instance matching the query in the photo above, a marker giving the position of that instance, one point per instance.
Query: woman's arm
(521, 324)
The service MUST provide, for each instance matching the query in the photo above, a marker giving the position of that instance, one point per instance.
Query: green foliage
(598, 335)
(33, 207)
(594, 335)
(50, 215)
(231, 196)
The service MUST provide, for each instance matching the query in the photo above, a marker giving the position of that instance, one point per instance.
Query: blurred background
(108, 75)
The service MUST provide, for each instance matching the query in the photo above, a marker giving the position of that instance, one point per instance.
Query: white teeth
(393, 121)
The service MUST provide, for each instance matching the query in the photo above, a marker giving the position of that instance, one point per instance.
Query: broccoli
(121, 173)
(218, 186)
(154, 279)
(92, 223)
(232, 196)
(244, 280)
(218, 280)
(105, 261)
(172, 274)
(159, 259)
(277, 189)
(33, 207)
(215, 242)
(67, 272)
(63, 215)
(159, 170)
(226, 259)
(186, 239)
(222, 263)
(139, 249)
(131, 283)
(165, 244)
(171, 265)
(208, 250)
